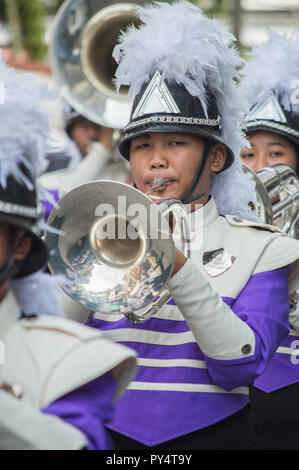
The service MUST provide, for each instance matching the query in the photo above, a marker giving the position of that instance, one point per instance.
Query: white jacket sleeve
(219, 333)
(87, 170)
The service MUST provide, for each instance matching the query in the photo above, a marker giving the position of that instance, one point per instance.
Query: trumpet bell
(117, 252)
(113, 246)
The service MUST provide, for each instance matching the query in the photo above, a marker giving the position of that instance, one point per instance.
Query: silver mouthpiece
(159, 183)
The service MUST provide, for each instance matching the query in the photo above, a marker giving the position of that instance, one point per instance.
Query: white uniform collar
(203, 216)
(9, 313)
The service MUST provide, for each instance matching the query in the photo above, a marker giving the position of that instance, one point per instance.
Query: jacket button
(246, 349)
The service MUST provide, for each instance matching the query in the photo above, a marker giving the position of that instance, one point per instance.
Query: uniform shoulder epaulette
(59, 324)
(71, 354)
(240, 222)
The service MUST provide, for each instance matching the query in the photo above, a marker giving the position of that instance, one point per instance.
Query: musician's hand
(179, 261)
(106, 137)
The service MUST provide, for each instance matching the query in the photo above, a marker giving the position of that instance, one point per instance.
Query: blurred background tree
(224, 8)
(213, 7)
(27, 26)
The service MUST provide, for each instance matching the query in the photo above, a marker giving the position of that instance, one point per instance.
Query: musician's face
(175, 157)
(84, 132)
(268, 149)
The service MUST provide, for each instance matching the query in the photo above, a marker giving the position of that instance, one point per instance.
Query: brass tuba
(83, 38)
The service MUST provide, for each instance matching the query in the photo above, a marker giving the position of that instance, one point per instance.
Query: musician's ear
(218, 157)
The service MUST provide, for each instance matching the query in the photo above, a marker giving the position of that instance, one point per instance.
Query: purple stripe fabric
(288, 340)
(152, 417)
(153, 324)
(156, 417)
(184, 351)
(280, 373)
(174, 375)
(47, 206)
(264, 305)
(282, 370)
(89, 408)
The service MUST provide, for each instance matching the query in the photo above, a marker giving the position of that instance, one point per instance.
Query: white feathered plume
(190, 49)
(38, 293)
(273, 66)
(24, 124)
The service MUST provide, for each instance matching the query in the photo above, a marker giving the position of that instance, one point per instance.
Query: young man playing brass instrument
(229, 306)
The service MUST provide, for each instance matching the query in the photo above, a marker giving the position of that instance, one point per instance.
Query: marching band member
(271, 86)
(51, 364)
(273, 132)
(229, 307)
(94, 144)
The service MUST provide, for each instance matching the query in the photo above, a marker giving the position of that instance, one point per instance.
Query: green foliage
(214, 7)
(27, 26)
(33, 29)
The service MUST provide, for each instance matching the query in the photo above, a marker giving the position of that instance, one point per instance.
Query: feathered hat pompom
(24, 125)
(190, 50)
(273, 67)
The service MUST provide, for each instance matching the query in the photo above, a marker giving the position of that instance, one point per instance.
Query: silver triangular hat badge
(269, 109)
(156, 99)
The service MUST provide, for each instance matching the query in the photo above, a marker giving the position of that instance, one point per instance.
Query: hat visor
(275, 128)
(124, 146)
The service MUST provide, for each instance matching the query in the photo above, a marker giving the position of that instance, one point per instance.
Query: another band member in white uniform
(272, 127)
(95, 145)
(51, 364)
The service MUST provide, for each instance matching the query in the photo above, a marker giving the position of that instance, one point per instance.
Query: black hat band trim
(273, 125)
(173, 120)
(16, 209)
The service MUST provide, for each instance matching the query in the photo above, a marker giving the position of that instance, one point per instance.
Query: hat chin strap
(188, 198)
(11, 267)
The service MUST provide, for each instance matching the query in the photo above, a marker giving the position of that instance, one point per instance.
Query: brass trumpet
(110, 270)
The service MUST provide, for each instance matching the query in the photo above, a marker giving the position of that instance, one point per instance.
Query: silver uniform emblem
(156, 99)
(268, 109)
(216, 262)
